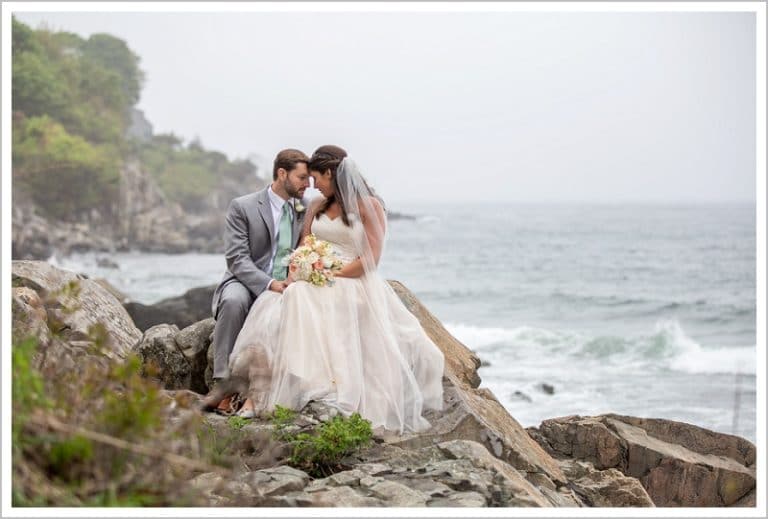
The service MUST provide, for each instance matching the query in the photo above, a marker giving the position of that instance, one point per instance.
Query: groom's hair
(287, 159)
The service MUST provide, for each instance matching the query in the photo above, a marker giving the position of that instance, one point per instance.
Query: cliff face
(474, 455)
(146, 220)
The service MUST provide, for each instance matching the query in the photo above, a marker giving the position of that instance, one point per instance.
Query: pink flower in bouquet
(314, 262)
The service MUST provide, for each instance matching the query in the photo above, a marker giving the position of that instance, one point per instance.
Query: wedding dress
(352, 345)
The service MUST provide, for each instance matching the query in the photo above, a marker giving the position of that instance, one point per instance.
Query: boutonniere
(299, 207)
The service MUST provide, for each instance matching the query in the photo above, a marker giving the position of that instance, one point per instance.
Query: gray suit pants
(235, 302)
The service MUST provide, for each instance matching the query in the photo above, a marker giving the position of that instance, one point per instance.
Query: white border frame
(759, 8)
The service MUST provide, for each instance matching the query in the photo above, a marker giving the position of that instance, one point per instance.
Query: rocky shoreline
(145, 219)
(475, 455)
(148, 222)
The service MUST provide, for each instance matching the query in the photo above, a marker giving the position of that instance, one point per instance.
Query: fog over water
(522, 106)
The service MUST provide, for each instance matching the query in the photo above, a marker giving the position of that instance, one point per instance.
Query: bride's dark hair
(330, 157)
(324, 158)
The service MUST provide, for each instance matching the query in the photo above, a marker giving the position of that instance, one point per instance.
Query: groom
(262, 228)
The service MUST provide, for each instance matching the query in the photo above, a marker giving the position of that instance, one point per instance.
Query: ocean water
(645, 310)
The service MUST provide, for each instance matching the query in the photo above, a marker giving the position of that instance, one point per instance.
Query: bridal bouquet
(314, 262)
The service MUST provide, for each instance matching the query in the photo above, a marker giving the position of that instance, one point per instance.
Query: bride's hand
(353, 269)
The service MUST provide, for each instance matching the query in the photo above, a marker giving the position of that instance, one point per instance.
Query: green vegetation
(72, 104)
(28, 387)
(91, 440)
(320, 451)
(237, 422)
(282, 417)
(86, 85)
(98, 435)
(188, 175)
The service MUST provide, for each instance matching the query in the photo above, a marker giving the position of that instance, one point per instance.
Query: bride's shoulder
(314, 205)
(370, 202)
(371, 209)
(371, 206)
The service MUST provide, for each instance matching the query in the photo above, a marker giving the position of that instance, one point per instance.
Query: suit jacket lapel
(265, 210)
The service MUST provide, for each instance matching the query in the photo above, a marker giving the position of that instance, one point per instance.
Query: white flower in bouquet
(314, 262)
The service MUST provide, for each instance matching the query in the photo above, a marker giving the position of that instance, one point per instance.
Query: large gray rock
(163, 359)
(696, 438)
(143, 208)
(178, 358)
(605, 488)
(340, 497)
(476, 414)
(52, 355)
(586, 439)
(193, 342)
(35, 237)
(183, 311)
(398, 494)
(76, 307)
(211, 485)
(515, 487)
(29, 316)
(31, 235)
(672, 460)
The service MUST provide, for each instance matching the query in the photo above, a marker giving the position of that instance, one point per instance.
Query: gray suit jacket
(248, 238)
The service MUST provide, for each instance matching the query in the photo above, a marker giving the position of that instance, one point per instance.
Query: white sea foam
(690, 357)
(477, 338)
(667, 347)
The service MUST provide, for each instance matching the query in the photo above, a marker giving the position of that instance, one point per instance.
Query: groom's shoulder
(250, 198)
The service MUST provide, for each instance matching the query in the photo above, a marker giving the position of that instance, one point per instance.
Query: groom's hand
(277, 286)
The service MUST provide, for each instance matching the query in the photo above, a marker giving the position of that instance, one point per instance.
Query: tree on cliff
(70, 114)
(72, 104)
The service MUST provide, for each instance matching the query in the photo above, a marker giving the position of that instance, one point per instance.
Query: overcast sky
(608, 107)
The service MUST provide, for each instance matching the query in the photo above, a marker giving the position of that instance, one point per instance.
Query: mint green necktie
(279, 271)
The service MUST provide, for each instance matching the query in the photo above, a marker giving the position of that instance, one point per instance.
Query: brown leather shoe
(224, 396)
(225, 403)
(214, 397)
(210, 402)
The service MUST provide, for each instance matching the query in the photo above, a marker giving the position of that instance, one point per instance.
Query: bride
(352, 344)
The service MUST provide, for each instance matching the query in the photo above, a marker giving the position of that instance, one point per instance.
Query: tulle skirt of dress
(330, 344)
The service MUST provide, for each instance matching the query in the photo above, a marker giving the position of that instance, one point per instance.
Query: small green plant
(28, 385)
(137, 408)
(222, 444)
(282, 417)
(68, 456)
(320, 450)
(28, 395)
(237, 422)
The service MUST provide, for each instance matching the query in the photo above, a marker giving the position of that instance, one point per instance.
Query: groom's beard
(292, 191)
